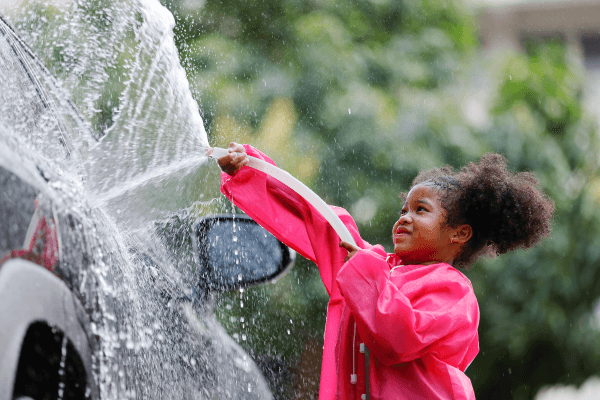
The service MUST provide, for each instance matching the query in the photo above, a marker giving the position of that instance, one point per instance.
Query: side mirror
(235, 252)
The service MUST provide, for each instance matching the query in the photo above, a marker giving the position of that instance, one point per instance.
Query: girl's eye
(402, 212)
(421, 208)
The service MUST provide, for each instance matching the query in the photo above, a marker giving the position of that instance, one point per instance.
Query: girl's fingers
(349, 246)
(235, 160)
(233, 146)
(352, 250)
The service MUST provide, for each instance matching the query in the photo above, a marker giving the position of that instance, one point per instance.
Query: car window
(17, 207)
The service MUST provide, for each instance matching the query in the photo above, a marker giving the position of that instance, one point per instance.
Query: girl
(401, 325)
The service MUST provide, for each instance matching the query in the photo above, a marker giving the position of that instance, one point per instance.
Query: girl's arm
(426, 309)
(286, 215)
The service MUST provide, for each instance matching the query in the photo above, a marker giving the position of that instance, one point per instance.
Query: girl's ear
(462, 234)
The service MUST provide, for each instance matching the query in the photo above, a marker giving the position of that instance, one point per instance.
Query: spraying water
(113, 127)
(119, 63)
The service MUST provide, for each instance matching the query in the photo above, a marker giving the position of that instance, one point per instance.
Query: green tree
(538, 325)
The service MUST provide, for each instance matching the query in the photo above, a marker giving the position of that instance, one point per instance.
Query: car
(88, 311)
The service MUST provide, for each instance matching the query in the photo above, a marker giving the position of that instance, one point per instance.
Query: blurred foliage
(368, 93)
(538, 324)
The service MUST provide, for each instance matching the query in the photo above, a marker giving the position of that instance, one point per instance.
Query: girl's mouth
(402, 232)
(399, 237)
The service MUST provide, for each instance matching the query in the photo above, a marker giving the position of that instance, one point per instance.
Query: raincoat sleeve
(289, 217)
(427, 309)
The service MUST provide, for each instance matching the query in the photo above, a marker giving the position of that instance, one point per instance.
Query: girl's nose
(405, 218)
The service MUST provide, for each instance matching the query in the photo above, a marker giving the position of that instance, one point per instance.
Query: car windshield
(17, 207)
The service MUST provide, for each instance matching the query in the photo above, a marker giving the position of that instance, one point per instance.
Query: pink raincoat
(418, 321)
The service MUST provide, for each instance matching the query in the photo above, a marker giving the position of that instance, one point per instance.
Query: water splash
(118, 61)
(158, 123)
(153, 175)
(135, 126)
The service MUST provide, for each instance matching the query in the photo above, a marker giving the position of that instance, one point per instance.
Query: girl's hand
(235, 160)
(352, 249)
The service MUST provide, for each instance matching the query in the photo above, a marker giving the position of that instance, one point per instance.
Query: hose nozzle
(216, 152)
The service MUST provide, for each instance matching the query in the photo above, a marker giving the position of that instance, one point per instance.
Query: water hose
(297, 186)
(314, 200)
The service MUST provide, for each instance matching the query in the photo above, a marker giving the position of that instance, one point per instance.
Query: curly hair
(505, 210)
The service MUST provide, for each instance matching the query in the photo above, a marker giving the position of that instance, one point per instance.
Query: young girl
(401, 325)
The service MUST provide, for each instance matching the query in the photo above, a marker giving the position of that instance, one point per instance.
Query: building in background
(506, 25)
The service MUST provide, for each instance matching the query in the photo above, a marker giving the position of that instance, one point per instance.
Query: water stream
(119, 63)
(118, 127)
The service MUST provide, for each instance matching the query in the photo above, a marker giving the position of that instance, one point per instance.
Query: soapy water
(131, 151)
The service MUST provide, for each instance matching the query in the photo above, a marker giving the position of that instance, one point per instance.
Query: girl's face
(421, 235)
